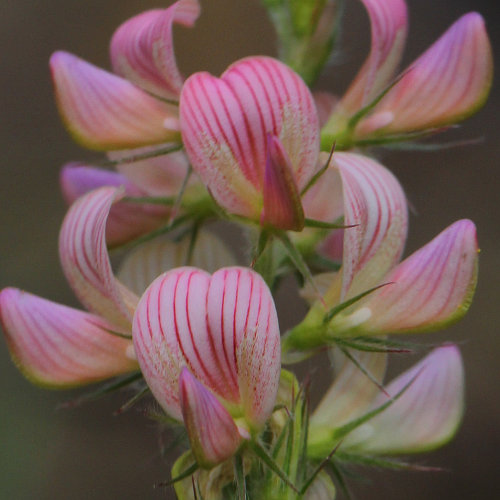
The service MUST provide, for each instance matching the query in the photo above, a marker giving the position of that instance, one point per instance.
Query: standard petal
(85, 260)
(142, 48)
(57, 346)
(103, 111)
(389, 27)
(224, 328)
(225, 123)
(427, 414)
(445, 85)
(375, 204)
(212, 432)
(147, 262)
(431, 288)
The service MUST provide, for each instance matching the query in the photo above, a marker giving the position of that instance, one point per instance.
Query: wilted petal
(224, 328)
(142, 48)
(57, 346)
(212, 432)
(389, 26)
(282, 206)
(375, 204)
(147, 262)
(429, 289)
(225, 123)
(103, 111)
(445, 85)
(425, 416)
(85, 260)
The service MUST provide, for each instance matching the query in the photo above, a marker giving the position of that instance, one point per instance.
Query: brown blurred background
(86, 453)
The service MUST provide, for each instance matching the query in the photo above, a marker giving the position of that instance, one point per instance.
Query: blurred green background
(86, 453)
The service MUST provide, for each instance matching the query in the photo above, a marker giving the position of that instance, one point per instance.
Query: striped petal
(85, 261)
(103, 111)
(445, 85)
(223, 327)
(225, 123)
(142, 48)
(426, 416)
(126, 221)
(212, 432)
(147, 262)
(375, 204)
(57, 346)
(389, 27)
(431, 288)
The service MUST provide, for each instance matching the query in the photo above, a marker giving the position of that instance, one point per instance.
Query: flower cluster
(292, 169)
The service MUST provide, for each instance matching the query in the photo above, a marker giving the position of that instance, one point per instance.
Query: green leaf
(183, 475)
(141, 156)
(384, 463)
(240, 477)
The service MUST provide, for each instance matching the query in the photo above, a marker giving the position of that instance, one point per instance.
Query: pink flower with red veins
(209, 349)
(252, 136)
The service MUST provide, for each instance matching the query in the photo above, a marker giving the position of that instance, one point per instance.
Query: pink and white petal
(85, 260)
(142, 48)
(103, 111)
(187, 318)
(426, 415)
(225, 123)
(151, 259)
(212, 432)
(445, 85)
(389, 27)
(57, 346)
(374, 202)
(431, 288)
(282, 205)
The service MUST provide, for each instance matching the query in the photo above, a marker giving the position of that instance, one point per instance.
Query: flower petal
(103, 111)
(225, 123)
(282, 206)
(431, 288)
(85, 260)
(427, 414)
(212, 432)
(147, 262)
(142, 48)
(448, 83)
(375, 204)
(224, 328)
(389, 27)
(57, 346)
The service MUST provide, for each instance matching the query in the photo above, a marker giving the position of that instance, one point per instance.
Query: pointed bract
(142, 48)
(104, 111)
(59, 347)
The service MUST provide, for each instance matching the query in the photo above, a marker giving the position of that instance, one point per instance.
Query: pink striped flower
(252, 135)
(209, 349)
(425, 416)
(445, 85)
(133, 107)
(58, 346)
(428, 290)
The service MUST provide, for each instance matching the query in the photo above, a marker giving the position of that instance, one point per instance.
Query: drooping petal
(142, 48)
(212, 432)
(427, 414)
(147, 262)
(431, 288)
(126, 221)
(375, 204)
(448, 83)
(225, 123)
(85, 260)
(389, 27)
(282, 205)
(224, 328)
(103, 111)
(57, 346)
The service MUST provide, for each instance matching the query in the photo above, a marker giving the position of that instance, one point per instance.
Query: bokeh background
(86, 453)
